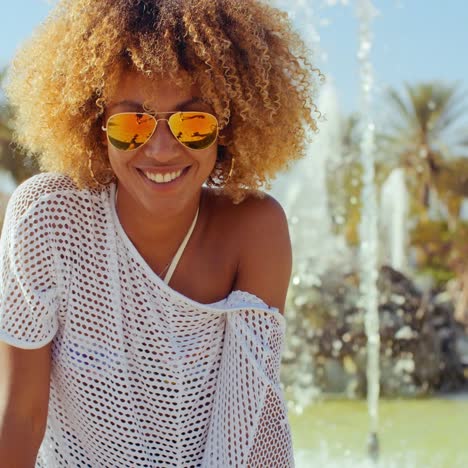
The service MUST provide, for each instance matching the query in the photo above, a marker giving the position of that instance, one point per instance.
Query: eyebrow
(179, 106)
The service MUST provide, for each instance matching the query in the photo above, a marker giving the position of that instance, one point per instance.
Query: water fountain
(369, 223)
(307, 204)
(317, 252)
(303, 193)
(306, 199)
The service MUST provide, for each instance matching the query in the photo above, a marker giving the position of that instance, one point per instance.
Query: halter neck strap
(180, 251)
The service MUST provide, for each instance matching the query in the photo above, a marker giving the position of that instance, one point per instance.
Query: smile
(161, 178)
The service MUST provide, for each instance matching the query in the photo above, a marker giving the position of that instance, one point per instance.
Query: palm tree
(424, 130)
(427, 135)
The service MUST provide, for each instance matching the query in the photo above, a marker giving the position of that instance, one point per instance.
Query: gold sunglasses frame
(156, 126)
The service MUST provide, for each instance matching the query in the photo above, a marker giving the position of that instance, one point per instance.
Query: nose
(162, 146)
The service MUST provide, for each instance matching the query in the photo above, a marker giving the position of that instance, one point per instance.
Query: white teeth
(163, 178)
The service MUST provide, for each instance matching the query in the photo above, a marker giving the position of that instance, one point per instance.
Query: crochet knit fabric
(142, 376)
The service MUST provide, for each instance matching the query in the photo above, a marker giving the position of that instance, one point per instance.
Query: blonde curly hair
(250, 65)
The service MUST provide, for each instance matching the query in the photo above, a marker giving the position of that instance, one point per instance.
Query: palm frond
(401, 108)
(429, 112)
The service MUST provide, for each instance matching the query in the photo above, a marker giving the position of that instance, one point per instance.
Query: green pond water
(413, 434)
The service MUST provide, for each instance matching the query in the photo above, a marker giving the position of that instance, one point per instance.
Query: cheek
(105, 150)
(204, 159)
(117, 159)
(112, 157)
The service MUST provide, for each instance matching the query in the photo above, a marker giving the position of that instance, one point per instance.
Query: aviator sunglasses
(128, 131)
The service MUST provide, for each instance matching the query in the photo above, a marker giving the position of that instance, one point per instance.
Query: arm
(29, 301)
(24, 395)
(265, 270)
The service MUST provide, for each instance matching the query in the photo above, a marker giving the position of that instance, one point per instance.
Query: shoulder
(38, 187)
(256, 212)
(261, 223)
(41, 194)
(47, 182)
(259, 228)
(262, 212)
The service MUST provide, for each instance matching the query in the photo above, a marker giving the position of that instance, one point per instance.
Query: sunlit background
(375, 369)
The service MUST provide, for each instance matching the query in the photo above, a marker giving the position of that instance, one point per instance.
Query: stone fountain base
(423, 349)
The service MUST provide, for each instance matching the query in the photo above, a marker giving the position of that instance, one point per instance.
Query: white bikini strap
(178, 255)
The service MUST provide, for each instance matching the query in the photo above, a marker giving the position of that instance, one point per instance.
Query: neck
(160, 230)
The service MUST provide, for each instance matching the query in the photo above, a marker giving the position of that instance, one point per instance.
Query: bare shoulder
(259, 228)
(254, 212)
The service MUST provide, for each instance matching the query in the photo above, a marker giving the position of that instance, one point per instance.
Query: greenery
(12, 159)
(424, 135)
(427, 139)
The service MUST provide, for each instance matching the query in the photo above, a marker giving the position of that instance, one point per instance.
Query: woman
(144, 274)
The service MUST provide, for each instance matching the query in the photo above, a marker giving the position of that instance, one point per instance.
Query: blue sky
(414, 40)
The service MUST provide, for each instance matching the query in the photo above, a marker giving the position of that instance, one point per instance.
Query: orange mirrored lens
(128, 131)
(196, 130)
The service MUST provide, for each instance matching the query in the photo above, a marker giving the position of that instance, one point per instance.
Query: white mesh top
(142, 376)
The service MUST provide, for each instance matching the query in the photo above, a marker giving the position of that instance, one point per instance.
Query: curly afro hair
(251, 66)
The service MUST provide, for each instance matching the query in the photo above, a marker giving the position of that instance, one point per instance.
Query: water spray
(366, 12)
